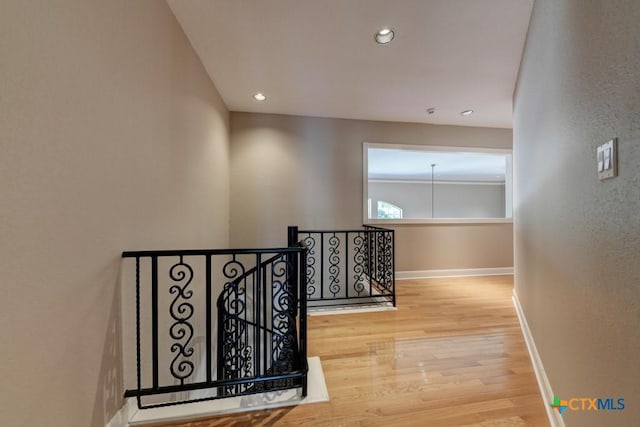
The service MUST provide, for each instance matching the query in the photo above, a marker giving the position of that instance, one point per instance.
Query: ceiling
(401, 164)
(319, 57)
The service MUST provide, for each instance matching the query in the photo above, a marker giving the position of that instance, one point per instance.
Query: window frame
(413, 147)
(390, 206)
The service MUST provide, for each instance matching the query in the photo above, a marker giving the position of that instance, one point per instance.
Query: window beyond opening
(413, 183)
(388, 210)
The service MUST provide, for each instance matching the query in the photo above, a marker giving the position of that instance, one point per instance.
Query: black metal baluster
(249, 366)
(154, 320)
(380, 278)
(368, 260)
(257, 300)
(220, 371)
(292, 284)
(393, 266)
(237, 333)
(310, 243)
(334, 265)
(322, 265)
(138, 363)
(389, 261)
(209, 319)
(303, 320)
(278, 344)
(359, 261)
(346, 266)
(381, 263)
(266, 323)
(245, 335)
(372, 274)
(291, 277)
(181, 311)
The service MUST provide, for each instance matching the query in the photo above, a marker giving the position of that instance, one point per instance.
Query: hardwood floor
(451, 355)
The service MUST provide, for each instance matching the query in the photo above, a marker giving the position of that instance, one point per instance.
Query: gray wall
(292, 170)
(472, 200)
(577, 240)
(112, 138)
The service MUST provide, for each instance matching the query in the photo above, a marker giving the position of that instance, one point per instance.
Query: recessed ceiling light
(384, 36)
(259, 96)
(466, 113)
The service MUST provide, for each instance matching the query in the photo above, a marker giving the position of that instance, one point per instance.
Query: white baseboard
(555, 419)
(460, 272)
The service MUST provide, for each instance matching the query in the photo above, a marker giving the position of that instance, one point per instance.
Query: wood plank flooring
(451, 355)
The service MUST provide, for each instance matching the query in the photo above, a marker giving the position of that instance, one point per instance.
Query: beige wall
(577, 240)
(291, 170)
(111, 138)
(448, 246)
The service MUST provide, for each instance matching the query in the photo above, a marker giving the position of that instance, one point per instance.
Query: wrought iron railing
(349, 267)
(257, 315)
(218, 323)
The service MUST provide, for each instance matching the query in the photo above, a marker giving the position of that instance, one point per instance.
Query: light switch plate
(607, 159)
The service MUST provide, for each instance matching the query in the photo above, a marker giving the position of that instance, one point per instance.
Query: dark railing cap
(365, 228)
(195, 252)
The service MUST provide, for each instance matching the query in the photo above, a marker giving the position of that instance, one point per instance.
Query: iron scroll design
(181, 311)
(260, 344)
(310, 242)
(380, 261)
(283, 320)
(260, 339)
(235, 349)
(334, 264)
(359, 261)
(388, 261)
(352, 267)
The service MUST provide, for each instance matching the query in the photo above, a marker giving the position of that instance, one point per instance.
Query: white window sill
(435, 221)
